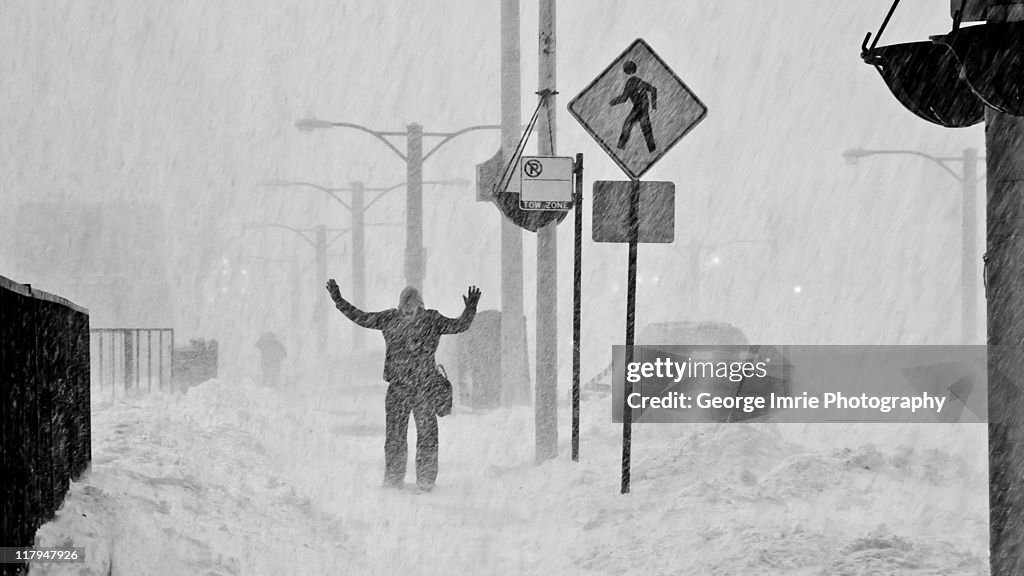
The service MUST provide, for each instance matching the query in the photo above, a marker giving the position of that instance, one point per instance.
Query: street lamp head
(854, 154)
(310, 124)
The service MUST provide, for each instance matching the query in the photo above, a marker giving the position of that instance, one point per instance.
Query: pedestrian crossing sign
(637, 109)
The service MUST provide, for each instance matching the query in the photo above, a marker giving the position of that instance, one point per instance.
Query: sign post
(577, 273)
(636, 109)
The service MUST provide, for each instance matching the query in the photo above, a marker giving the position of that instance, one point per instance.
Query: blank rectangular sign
(611, 211)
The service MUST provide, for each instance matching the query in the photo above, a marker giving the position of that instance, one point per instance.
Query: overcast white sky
(192, 104)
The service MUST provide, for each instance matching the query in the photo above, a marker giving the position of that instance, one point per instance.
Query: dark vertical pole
(1004, 136)
(100, 356)
(627, 413)
(358, 260)
(160, 359)
(113, 369)
(414, 207)
(172, 358)
(149, 360)
(577, 290)
(969, 255)
(137, 335)
(129, 359)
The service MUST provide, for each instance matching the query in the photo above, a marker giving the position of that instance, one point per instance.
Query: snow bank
(235, 479)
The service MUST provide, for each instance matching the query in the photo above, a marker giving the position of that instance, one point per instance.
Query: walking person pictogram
(636, 91)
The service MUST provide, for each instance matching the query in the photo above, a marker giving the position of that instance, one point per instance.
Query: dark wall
(44, 384)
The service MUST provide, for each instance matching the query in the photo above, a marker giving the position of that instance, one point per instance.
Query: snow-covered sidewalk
(233, 479)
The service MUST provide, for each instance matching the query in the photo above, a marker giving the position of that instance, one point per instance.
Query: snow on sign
(546, 183)
(637, 109)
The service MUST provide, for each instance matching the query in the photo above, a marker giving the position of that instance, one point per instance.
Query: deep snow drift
(234, 479)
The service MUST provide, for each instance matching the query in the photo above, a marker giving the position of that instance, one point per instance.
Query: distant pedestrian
(411, 336)
(272, 353)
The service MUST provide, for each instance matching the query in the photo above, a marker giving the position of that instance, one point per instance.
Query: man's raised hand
(472, 297)
(333, 290)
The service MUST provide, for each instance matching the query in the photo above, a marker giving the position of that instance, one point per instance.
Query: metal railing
(132, 360)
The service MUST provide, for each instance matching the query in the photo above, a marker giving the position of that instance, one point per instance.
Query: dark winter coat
(410, 344)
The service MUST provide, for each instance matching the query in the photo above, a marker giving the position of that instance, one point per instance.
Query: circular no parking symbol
(533, 168)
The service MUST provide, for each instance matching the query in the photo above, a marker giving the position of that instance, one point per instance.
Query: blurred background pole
(297, 288)
(321, 280)
(695, 254)
(414, 207)
(969, 251)
(515, 383)
(968, 178)
(358, 211)
(546, 345)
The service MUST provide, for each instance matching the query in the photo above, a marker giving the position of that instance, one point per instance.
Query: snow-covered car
(706, 342)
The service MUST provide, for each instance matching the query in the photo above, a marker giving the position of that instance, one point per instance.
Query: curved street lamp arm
(374, 200)
(941, 163)
(378, 135)
(449, 136)
(301, 233)
(336, 236)
(382, 193)
(332, 192)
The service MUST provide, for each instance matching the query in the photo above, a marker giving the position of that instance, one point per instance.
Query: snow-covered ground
(233, 479)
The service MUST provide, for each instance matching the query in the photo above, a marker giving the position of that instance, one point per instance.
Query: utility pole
(515, 383)
(1004, 140)
(546, 345)
(358, 211)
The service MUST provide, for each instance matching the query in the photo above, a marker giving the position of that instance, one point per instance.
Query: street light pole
(358, 211)
(319, 243)
(414, 157)
(968, 179)
(321, 279)
(357, 207)
(414, 207)
(968, 258)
